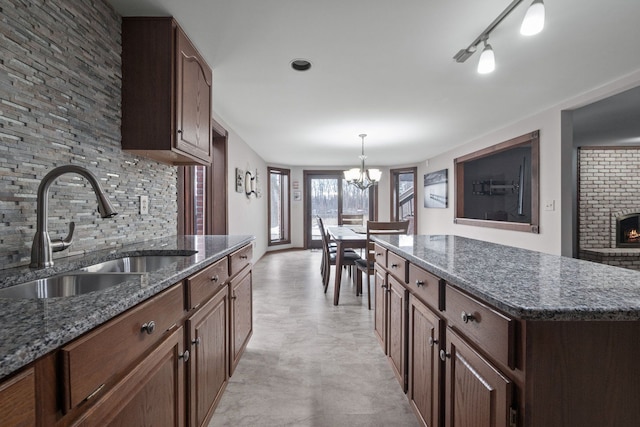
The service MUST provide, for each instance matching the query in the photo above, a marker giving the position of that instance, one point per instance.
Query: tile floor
(310, 363)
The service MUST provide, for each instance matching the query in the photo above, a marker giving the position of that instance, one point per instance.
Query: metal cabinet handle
(394, 265)
(215, 278)
(432, 342)
(444, 355)
(419, 283)
(233, 297)
(148, 327)
(184, 356)
(243, 257)
(467, 317)
(179, 131)
(196, 341)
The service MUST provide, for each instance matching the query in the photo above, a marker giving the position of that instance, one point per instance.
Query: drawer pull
(378, 254)
(96, 391)
(444, 355)
(215, 278)
(394, 265)
(196, 341)
(233, 297)
(184, 356)
(432, 342)
(419, 283)
(467, 317)
(243, 257)
(148, 327)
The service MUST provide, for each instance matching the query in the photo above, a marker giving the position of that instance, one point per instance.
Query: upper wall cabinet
(166, 93)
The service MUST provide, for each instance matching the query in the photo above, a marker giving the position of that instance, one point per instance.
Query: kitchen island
(506, 336)
(88, 357)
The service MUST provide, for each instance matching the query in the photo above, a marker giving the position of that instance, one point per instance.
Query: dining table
(345, 236)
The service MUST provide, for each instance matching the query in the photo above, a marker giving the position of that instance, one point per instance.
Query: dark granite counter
(523, 283)
(30, 328)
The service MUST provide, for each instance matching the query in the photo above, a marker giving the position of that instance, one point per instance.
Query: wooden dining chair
(351, 219)
(365, 265)
(349, 257)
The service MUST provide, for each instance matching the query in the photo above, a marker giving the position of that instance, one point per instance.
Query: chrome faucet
(43, 247)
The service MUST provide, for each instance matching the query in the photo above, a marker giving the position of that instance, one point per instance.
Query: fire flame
(633, 235)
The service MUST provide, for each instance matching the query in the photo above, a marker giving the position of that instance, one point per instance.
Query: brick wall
(609, 180)
(60, 103)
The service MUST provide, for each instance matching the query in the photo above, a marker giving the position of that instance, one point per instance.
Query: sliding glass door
(328, 195)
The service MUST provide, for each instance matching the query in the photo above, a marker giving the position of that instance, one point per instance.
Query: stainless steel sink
(70, 284)
(134, 264)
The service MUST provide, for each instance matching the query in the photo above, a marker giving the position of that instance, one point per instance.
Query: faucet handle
(62, 244)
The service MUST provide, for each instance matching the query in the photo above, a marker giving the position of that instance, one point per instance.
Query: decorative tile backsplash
(60, 103)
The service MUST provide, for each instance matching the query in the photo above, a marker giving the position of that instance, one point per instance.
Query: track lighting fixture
(532, 24)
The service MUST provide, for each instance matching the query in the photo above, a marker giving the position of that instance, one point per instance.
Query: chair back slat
(351, 219)
(380, 228)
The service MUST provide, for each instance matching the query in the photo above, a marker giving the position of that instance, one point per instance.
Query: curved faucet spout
(42, 248)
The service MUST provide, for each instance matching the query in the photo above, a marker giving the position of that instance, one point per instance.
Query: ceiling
(386, 69)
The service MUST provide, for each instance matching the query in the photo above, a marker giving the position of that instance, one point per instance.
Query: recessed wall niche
(498, 186)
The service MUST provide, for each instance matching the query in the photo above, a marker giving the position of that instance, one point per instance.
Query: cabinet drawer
(380, 254)
(425, 286)
(239, 259)
(206, 282)
(108, 351)
(493, 332)
(397, 266)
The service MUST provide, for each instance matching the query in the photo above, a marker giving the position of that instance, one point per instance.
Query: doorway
(403, 196)
(328, 195)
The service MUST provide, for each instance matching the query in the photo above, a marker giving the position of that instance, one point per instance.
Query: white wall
(555, 183)
(246, 215)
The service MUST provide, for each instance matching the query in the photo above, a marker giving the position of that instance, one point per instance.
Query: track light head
(487, 62)
(533, 21)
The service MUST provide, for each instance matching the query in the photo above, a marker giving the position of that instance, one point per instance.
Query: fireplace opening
(628, 231)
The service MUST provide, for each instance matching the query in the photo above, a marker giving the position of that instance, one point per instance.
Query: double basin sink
(92, 278)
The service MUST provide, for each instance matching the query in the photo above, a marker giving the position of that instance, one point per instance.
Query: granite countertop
(31, 328)
(526, 284)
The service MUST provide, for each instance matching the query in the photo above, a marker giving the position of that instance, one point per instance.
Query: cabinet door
(380, 306)
(18, 400)
(208, 365)
(477, 394)
(397, 329)
(193, 100)
(152, 394)
(424, 363)
(241, 316)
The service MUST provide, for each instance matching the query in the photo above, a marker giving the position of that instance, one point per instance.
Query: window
(202, 192)
(279, 206)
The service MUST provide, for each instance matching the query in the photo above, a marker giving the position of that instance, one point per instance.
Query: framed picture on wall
(435, 189)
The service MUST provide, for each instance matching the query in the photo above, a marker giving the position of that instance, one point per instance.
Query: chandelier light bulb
(533, 21)
(487, 61)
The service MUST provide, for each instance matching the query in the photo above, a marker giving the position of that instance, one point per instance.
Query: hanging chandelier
(362, 178)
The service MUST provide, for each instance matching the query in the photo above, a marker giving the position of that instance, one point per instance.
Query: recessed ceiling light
(300, 64)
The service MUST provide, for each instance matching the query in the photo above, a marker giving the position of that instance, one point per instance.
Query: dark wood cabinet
(476, 393)
(164, 362)
(166, 93)
(397, 329)
(240, 294)
(380, 307)
(424, 365)
(208, 365)
(151, 394)
(18, 400)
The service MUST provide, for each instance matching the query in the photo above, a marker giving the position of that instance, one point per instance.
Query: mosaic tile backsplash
(60, 103)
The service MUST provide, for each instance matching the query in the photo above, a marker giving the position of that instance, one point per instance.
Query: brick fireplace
(608, 209)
